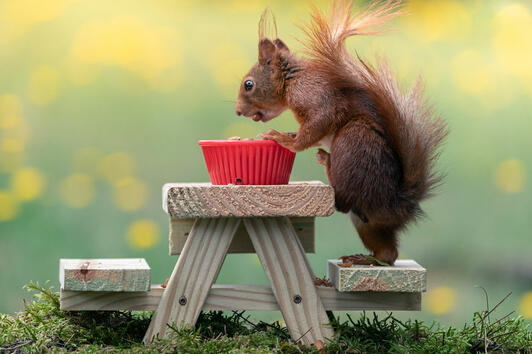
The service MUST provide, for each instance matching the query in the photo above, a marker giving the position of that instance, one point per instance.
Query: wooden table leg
(286, 267)
(194, 273)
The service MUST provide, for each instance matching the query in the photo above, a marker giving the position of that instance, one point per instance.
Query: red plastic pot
(247, 161)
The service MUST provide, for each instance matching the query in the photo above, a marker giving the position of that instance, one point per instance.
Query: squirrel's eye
(248, 85)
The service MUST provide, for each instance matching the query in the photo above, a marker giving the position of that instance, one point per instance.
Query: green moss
(43, 327)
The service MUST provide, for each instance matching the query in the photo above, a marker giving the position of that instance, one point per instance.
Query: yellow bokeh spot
(512, 43)
(130, 194)
(125, 42)
(12, 124)
(87, 160)
(10, 105)
(77, 190)
(27, 184)
(8, 207)
(44, 85)
(143, 234)
(12, 154)
(437, 19)
(12, 145)
(471, 73)
(440, 300)
(14, 132)
(235, 66)
(9, 121)
(510, 176)
(10, 111)
(19, 16)
(117, 166)
(525, 305)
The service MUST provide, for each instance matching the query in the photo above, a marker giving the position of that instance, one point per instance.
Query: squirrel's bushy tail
(412, 129)
(327, 33)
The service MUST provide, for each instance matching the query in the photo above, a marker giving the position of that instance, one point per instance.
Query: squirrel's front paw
(283, 139)
(322, 157)
(271, 134)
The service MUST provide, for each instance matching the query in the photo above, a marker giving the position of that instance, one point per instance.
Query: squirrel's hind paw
(322, 157)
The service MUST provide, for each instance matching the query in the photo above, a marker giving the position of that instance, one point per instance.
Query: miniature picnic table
(274, 221)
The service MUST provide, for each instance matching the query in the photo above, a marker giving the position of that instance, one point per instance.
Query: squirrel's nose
(238, 113)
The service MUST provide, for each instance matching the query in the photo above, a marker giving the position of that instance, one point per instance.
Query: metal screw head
(182, 301)
(298, 299)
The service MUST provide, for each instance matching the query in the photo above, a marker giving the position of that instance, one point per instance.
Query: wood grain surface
(202, 200)
(239, 297)
(180, 229)
(404, 276)
(286, 267)
(195, 272)
(106, 274)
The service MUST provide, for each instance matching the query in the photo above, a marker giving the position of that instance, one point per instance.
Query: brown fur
(383, 143)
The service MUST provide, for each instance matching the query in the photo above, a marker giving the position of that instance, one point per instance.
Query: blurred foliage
(101, 103)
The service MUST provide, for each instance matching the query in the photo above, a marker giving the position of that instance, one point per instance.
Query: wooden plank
(240, 297)
(110, 301)
(225, 297)
(121, 274)
(203, 200)
(195, 272)
(180, 229)
(333, 300)
(285, 265)
(404, 276)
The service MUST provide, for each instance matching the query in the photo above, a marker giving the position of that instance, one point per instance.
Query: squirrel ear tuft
(281, 46)
(266, 51)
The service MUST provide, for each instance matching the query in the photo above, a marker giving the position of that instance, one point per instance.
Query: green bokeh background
(118, 94)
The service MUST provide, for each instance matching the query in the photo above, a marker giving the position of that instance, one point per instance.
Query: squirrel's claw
(291, 134)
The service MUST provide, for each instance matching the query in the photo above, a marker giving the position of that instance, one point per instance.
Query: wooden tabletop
(204, 200)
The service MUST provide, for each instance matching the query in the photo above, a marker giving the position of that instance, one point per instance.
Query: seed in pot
(239, 138)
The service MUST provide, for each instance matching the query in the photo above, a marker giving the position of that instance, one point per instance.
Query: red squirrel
(382, 142)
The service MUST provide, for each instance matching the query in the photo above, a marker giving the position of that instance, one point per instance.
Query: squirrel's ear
(266, 51)
(281, 46)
